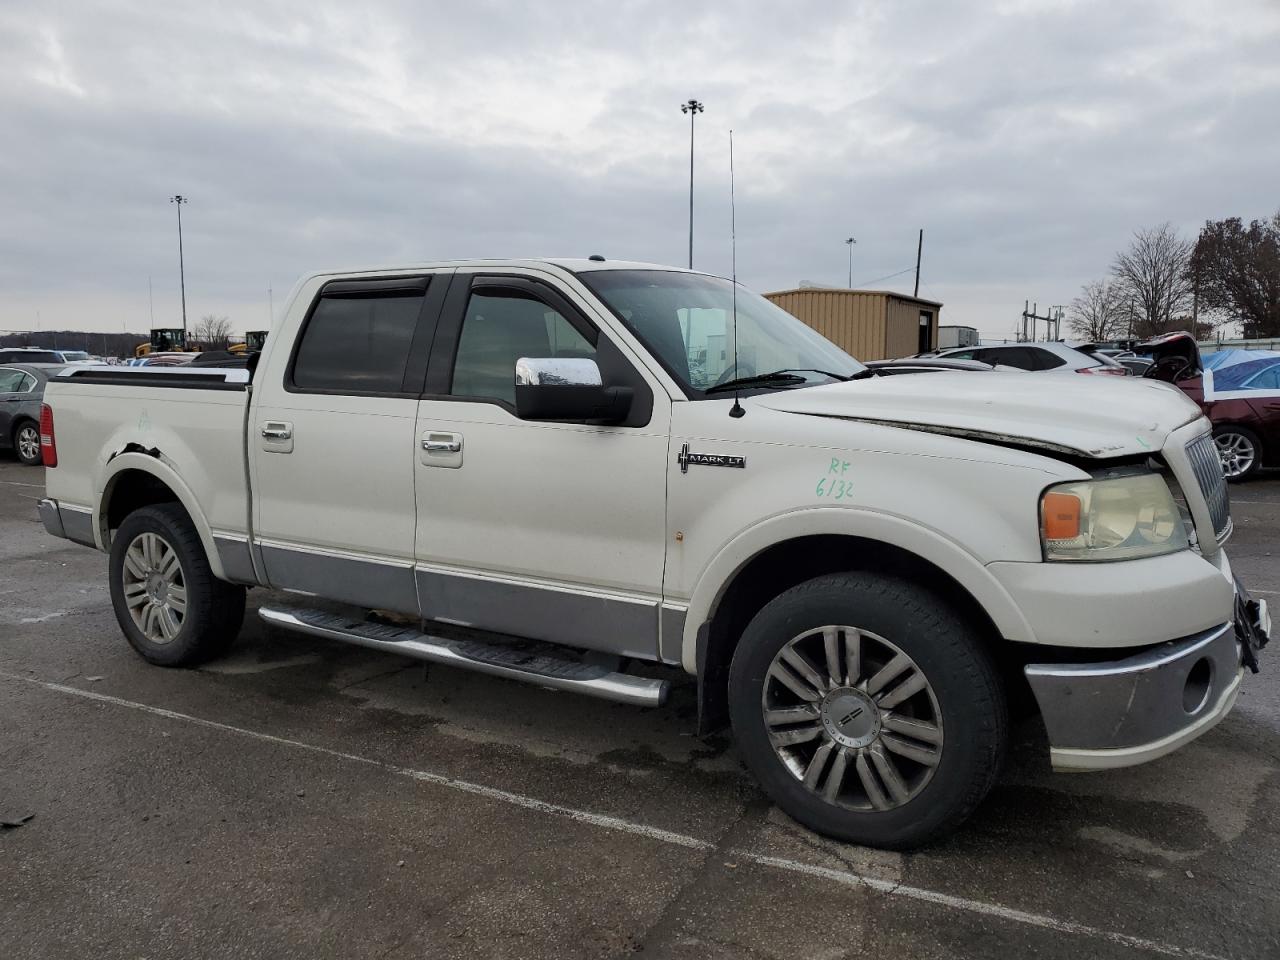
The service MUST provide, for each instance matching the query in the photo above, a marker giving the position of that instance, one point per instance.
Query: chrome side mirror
(567, 388)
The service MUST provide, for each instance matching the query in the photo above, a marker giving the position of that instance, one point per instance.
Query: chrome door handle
(442, 446)
(276, 432)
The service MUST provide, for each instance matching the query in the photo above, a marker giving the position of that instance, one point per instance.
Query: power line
(863, 283)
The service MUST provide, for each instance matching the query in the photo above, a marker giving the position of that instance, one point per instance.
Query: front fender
(105, 479)
(900, 532)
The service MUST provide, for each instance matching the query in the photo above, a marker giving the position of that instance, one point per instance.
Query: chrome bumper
(1129, 711)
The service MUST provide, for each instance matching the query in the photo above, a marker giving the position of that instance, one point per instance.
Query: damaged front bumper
(1123, 712)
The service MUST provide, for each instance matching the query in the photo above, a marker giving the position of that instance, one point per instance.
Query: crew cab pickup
(554, 469)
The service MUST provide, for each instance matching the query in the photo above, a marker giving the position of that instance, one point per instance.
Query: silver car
(21, 393)
(1049, 357)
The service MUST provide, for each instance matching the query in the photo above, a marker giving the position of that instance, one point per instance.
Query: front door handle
(275, 431)
(433, 445)
(441, 449)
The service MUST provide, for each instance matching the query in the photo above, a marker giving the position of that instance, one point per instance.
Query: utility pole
(849, 243)
(178, 200)
(692, 108)
(1031, 313)
(919, 250)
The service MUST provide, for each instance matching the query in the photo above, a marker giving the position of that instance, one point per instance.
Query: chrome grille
(1207, 466)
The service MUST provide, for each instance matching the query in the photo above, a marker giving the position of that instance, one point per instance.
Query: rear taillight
(48, 443)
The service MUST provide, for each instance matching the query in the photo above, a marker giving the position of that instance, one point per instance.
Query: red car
(1247, 429)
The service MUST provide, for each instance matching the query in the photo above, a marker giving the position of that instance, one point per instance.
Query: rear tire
(896, 730)
(1240, 450)
(172, 609)
(26, 443)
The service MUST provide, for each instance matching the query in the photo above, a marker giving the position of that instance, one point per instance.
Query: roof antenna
(736, 411)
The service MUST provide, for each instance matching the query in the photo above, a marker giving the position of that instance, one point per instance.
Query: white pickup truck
(554, 469)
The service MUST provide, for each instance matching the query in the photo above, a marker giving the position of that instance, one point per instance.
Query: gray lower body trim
(51, 518)
(671, 641)
(237, 560)
(354, 580)
(592, 621)
(76, 524)
(1140, 700)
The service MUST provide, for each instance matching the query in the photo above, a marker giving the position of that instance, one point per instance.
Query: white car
(1051, 356)
(858, 572)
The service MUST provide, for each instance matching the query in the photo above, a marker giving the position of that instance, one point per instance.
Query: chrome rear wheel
(27, 443)
(155, 590)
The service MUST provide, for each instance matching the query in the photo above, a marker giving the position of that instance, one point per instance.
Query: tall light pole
(178, 200)
(849, 243)
(692, 108)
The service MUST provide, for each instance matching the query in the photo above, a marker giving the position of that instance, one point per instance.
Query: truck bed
(192, 421)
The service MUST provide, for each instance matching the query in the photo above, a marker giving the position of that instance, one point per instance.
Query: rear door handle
(277, 436)
(442, 446)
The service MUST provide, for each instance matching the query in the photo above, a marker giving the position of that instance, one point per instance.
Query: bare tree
(1154, 273)
(1237, 272)
(212, 331)
(1100, 312)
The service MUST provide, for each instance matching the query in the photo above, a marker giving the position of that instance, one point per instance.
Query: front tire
(868, 709)
(172, 609)
(26, 443)
(1240, 451)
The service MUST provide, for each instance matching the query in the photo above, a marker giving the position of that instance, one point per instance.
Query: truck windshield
(686, 320)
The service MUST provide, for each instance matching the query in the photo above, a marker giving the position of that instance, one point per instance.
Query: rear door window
(1046, 359)
(358, 340)
(1008, 357)
(11, 381)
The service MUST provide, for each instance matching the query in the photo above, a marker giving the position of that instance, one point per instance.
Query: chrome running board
(550, 670)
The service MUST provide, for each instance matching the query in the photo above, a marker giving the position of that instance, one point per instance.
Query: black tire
(214, 608)
(26, 427)
(1244, 438)
(964, 686)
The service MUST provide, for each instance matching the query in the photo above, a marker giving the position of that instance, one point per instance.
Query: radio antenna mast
(736, 410)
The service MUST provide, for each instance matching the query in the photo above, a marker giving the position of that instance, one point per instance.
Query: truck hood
(1095, 417)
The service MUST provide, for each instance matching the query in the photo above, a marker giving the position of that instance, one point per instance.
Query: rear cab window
(359, 338)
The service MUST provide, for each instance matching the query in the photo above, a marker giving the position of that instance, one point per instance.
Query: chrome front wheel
(853, 718)
(155, 590)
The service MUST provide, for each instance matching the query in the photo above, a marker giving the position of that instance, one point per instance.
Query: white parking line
(19, 483)
(606, 822)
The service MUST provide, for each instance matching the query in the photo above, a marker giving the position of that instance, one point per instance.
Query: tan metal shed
(870, 324)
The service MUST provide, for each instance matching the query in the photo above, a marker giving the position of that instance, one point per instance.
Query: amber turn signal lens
(1061, 516)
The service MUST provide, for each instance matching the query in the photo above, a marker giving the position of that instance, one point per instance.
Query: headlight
(1115, 519)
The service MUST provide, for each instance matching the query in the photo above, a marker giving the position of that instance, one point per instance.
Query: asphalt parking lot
(304, 798)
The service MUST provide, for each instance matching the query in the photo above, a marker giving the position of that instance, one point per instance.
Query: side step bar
(549, 670)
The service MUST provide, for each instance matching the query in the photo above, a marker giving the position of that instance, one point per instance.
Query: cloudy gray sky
(1028, 139)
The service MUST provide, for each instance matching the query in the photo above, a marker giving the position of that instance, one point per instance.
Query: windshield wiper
(790, 375)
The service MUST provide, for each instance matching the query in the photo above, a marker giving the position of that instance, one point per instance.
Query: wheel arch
(137, 478)
(777, 555)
